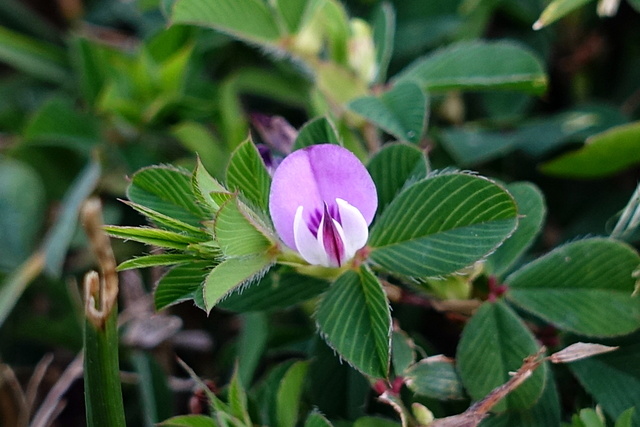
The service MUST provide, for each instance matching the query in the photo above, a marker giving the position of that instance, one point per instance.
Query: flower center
(331, 236)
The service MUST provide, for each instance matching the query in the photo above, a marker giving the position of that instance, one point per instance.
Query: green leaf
(626, 418)
(494, 343)
(203, 184)
(237, 398)
(60, 235)
(189, 421)
(442, 224)
(532, 211)
(583, 287)
(58, 122)
(169, 223)
(246, 172)
(237, 233)
(339, 391)
(479, 65)
(471, 145)
(249, 20)
(91, 61)
(435, 377)
(180, 283)
(317, 131)
(155, 395)
(289, 394)
(401, 111)
(354, 319)
(375, 422)
(628, 223)
(393, 167)
(41, 60)
(154, 261)
(316, 419)
(403, 352)
(201, 141)
(152, 236)
(556, 10)
(231, 274)
(265, 391)
(613, 379)
(251, 345)
(634, 4)
(167, 190)
(603, 154)
(21, 212)
(295, 13)
(276, 291)
(545, 412)
(384, 26)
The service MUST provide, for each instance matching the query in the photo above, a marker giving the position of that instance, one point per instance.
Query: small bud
(422, 414)
(362, 53)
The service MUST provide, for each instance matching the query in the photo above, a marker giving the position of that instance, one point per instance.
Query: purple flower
(322, 201)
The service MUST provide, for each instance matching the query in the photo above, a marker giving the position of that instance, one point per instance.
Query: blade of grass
(103, 392)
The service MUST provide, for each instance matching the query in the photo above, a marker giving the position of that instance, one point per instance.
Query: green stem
(103, 393)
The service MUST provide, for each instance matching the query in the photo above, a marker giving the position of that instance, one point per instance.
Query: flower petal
(310, 176)
(354, 227)
(311, 249)
(331, 236)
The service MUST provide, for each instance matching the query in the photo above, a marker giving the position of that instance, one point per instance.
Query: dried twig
(53, 403)
(480, 410)
(39, 372)
(19, 410)
(101, 295)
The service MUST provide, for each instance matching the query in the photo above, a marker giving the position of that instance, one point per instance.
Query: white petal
(355, 231)
(307, 244)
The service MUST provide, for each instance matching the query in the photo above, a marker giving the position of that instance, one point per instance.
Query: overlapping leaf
(202, 185)
(180, 283)
(384, 26)
(613, 379)
(401, 111)
(556, 10)
(354, 319)
(493, 344)
(545, 412)
(392, 167)
(167, 190)
(153, 236)
(237, 233)
(317, 131)
(603, 154)
(21, 212)
(247, 172)
(442, 224)
(276, 291)
(290, 393)
(250, 20)
(435, 377)
(42, 60)
(479, 65)
(583, 287)
(532, 212)
(233, 273)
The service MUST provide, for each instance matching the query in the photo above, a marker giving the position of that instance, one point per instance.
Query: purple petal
(332, 239)
(311, 176)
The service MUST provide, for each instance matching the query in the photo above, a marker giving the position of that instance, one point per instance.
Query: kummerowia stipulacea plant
(357, 239)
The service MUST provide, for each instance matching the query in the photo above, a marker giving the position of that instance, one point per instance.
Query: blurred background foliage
(91, 91)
